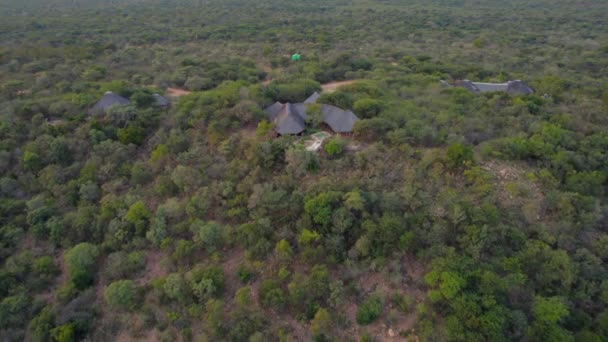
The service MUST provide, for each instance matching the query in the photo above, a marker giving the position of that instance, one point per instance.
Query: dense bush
(80, 262)
(488, 209)
(369, 310)
(121, 294)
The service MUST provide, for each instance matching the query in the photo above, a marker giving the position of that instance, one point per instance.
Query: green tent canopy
(295, 57)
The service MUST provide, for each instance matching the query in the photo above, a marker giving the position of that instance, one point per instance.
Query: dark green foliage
(244, 273)
(131, 134)
(369, 310)
(14, 310)
(272, 295)
(207, 282)
(121, 265)
(80, 262)
(367, 108)
(40, 326)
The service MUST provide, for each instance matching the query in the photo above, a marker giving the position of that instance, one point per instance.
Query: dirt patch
(154, 267)
(127, 336)
(332, 86)
(230, 266)
(393, 324)
(177, 92)
(503, 171)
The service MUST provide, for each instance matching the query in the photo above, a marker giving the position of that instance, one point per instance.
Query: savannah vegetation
(446, 217)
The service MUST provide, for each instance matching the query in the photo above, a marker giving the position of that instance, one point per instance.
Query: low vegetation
(447, 216)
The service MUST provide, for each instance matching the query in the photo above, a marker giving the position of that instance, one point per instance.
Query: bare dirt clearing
(332, 86)
(176, 92)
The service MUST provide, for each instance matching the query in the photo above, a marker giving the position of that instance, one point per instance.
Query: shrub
(283, 250)
(321, 323)
(245, 273)
(271, 294)
(369, 310)
(14, 310)
(121, 294)
(367, 108)
(334, 147)
(80, 261)
(121, 265)
(209, 233)
(131, 135)
(459, 155)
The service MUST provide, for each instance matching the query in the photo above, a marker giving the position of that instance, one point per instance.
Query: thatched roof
(519, 87)
(340, 121)
(290, 118)
(108, 100)
(312, 98)
(161, 101)
(516, 87)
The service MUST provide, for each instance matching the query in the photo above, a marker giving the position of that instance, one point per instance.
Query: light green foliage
(459, 156)
(549, 310)
(40, 326)
(243, 296)
(64, 333)
(283, 250)
(159, 152)
(264, 128)
(139, 217)
(448, 285)
(121, 294)
(334, 147)
(321, 323)
(307, 237)
(354, 201)
(320, 207)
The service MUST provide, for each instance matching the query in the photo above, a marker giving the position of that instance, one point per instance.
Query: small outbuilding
(108, 100)
(516, 87)
(161, 101)
(339, 120)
